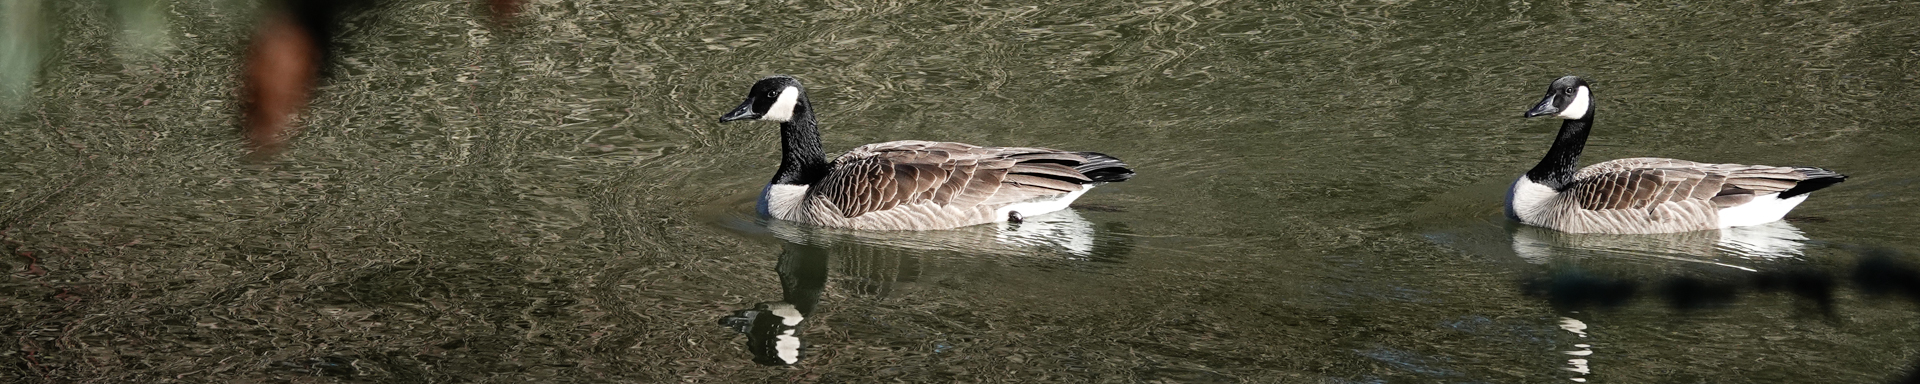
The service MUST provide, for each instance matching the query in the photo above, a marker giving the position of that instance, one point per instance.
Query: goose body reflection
(773, 328)
(1767, 241)
(883, 264)
(1064, 233)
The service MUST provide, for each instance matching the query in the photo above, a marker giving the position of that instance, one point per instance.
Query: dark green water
(1318, 197)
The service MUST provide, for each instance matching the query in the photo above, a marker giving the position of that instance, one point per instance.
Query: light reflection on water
(1578, 362)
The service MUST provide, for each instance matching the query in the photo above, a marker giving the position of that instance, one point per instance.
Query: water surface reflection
(1062, 234)
(1761, 242)
(1880, 275)
(1580, 273)
(880, 263)
(773, 328)
(1738, 248)
(527, 202)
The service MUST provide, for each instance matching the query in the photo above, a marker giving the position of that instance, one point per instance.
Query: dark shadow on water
(1572, 289)
(1691, 273)
(1878, 274)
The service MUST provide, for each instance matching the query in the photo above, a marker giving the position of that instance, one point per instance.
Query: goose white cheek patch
(782, 109)
(1578, 108)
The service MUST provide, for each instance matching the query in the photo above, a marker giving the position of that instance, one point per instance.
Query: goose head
(775, 98)
(1567, 98)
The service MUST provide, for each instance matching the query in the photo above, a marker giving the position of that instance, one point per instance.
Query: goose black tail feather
(1817, 178)
(1103, 169)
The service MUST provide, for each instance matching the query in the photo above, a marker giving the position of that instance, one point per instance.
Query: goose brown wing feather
(879, 177)
(1056, 185)
(1642, 183)
(1051, 170)
(1041, 154)
(1724, 201)
(1707, 188)
(861, 185)
(1640, 188)
(1763, 183)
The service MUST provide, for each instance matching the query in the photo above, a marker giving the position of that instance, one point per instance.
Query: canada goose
(910, 185)
(1645, 195)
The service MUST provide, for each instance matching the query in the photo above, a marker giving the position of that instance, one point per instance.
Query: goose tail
(1817, 178)
(1103, 169)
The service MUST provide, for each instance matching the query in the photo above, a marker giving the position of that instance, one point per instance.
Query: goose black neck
(803, 275)
(1557, 168)
(802, 162)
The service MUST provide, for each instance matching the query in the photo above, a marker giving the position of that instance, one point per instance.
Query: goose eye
(773, 94)
(1569, 92)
